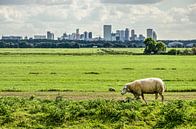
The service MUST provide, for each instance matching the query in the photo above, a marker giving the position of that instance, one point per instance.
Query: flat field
(53, 70)
(79, 80)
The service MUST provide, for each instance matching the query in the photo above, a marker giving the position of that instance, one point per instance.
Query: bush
(173, 114)
(36, 113)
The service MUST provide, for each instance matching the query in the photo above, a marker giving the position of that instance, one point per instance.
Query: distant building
(191, 45)
(141, 37)
(113, 36)
(77, 34)
(40, 37)
(122, 35)
(82, 37)
(90, 35)
(50, 36)
(11, 38)
(127, 34)
(151, 34)
(118, 35)
(26, 38)
(107, 32)
(154, 36)
(85, 35)
(176, 44)
(133, 35)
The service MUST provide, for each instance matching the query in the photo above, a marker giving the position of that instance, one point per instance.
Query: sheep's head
(124, 90)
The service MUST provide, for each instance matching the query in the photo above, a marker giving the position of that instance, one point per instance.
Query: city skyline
(172, 19)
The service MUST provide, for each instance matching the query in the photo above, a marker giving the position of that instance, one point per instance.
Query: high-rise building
(126, 34)
(50, 35)
(85, 35)
(154, 35)
(133, 35)
(77, 34)
(107, 32)
(122, 35)
(82, 37)
(90, 35)
(117, 35)
(150, 33)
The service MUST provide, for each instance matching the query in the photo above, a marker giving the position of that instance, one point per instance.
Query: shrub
(173, 114)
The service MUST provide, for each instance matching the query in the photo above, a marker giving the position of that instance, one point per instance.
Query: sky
(171, 19)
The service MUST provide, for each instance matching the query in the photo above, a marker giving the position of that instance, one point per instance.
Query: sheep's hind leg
(144, 99)
(156, 96)
(162, 97)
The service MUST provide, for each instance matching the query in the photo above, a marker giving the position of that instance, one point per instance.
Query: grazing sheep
(145, 86)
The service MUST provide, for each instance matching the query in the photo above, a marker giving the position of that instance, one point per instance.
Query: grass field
(71, 51)
(43, 72)
(79, 80)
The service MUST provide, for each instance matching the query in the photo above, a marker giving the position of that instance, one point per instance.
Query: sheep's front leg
(144, 99)
(136, 96)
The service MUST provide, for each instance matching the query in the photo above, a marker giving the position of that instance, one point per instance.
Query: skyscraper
(85, 35)
(50, 35)
(122, 35)
(77, 34)
(154, 35)
(133, 35)
(107, 32)
(150, 33)
(90, 35)
(126, 34)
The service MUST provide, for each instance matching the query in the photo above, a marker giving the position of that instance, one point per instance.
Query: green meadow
(75, 70)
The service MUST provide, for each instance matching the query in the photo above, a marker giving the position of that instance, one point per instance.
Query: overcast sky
(171, 19)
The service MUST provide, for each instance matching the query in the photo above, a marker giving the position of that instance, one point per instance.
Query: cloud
(38, 2)
(130, 1)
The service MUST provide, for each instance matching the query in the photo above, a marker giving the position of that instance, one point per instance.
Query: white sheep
(145, 86)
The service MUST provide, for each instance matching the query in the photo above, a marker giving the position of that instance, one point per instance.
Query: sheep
(145, 86)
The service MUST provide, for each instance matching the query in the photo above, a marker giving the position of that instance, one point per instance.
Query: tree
(161, 47)
(153, 47)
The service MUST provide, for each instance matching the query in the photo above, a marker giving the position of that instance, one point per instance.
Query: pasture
(68, 88)
(53, 70)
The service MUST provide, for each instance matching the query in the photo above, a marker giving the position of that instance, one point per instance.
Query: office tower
(107, 31)
(90, 35)
(50, 35)
(126, 34)
(150, 33)
(77, 34)
(118, 35)
(122, 35)
(154, 35)
(133, 35)
(85, 35)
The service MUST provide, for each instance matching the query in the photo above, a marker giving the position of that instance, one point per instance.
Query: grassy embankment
(36, 113)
